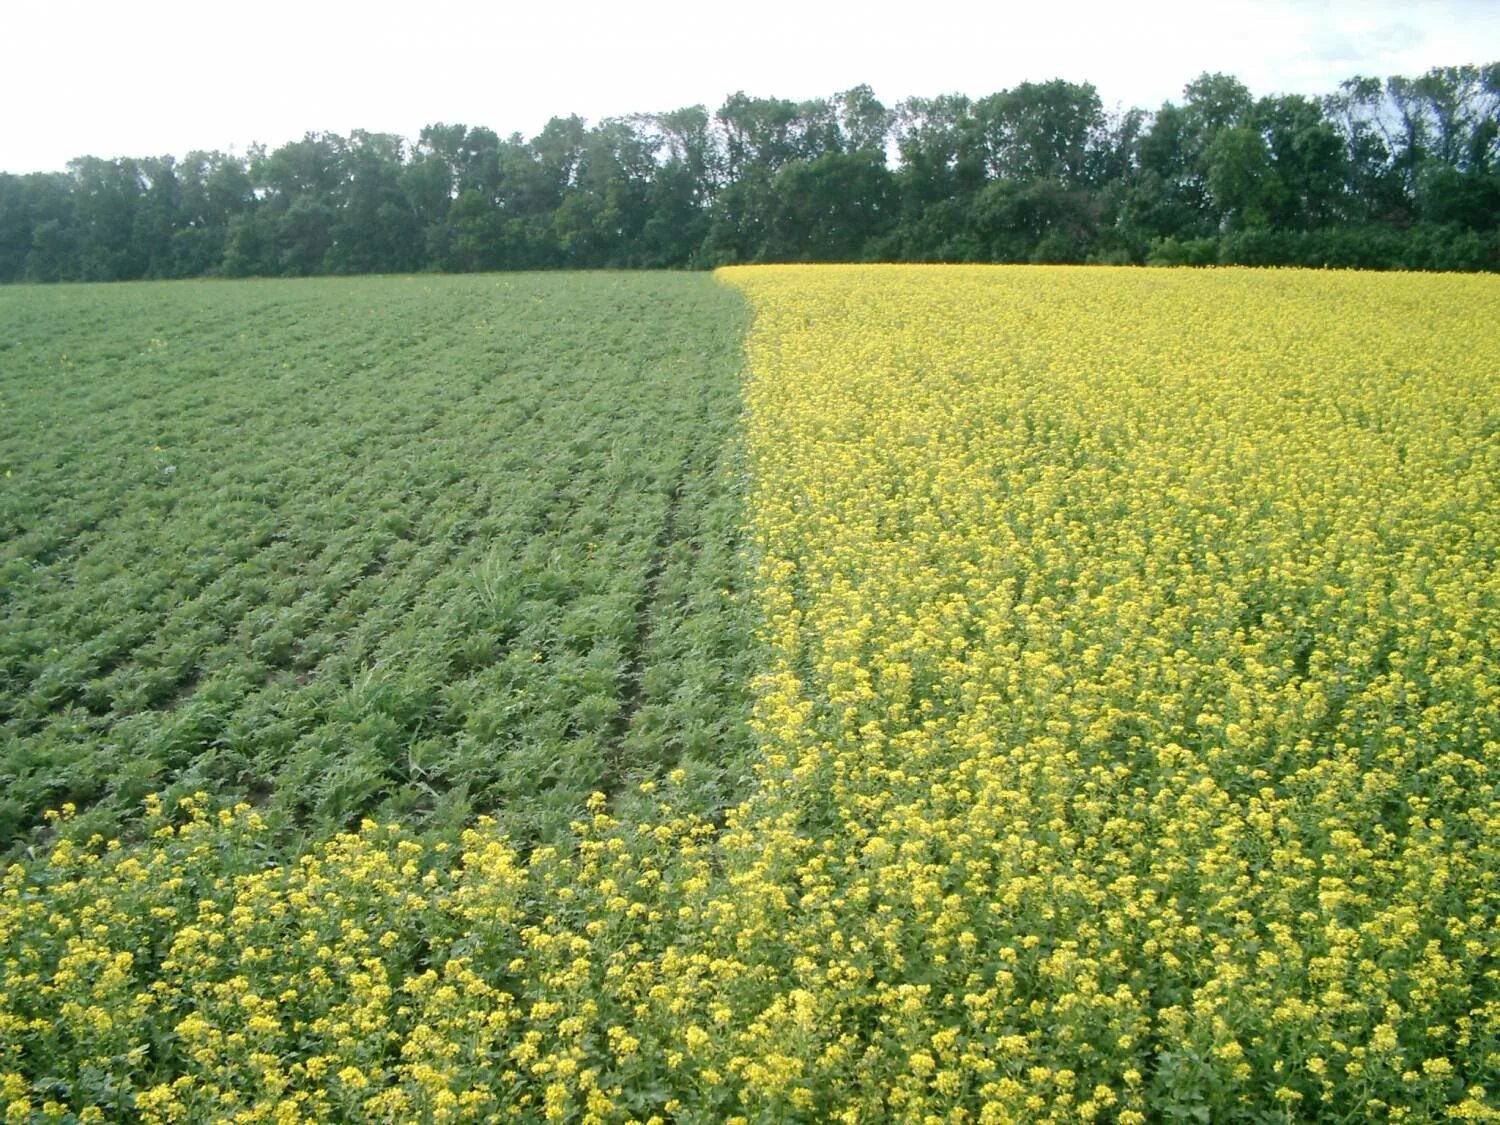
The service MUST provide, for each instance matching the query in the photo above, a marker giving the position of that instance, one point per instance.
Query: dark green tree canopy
(1397, 172)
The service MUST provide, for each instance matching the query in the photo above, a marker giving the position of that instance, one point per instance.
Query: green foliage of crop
(414, 547)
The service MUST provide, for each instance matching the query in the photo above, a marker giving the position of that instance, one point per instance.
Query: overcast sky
(168, 76)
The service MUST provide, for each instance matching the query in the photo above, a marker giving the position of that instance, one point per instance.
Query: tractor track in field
(632, 692)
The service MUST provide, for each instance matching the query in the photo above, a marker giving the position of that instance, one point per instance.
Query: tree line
(1400, 173)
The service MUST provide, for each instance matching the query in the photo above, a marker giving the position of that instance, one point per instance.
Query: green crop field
(414, 547)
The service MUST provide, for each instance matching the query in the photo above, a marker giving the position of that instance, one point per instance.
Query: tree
(376, 229)
(687, 176)
(106, 195)
(942, 168)
(213, 189)
(1041, 131)
(1168, 197)
(761, 136)
(600, 221)
(864, 124)
(830, 209)
(1310, 163)
(1240, 179)
(1376, 190)
(36, 228)
(470, 236)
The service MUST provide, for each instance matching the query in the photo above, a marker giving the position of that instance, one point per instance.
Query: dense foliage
(1126, 730)
(427, 546)
(1401, 173)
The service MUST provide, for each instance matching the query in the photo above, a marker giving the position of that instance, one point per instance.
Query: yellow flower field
(1127, 752)
(1135, 684)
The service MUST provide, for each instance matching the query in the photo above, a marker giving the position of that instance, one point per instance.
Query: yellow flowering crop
(1134, 681)
(1127, 748)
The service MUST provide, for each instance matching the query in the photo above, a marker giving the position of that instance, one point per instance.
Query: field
(1117, 648)
(400, 547)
